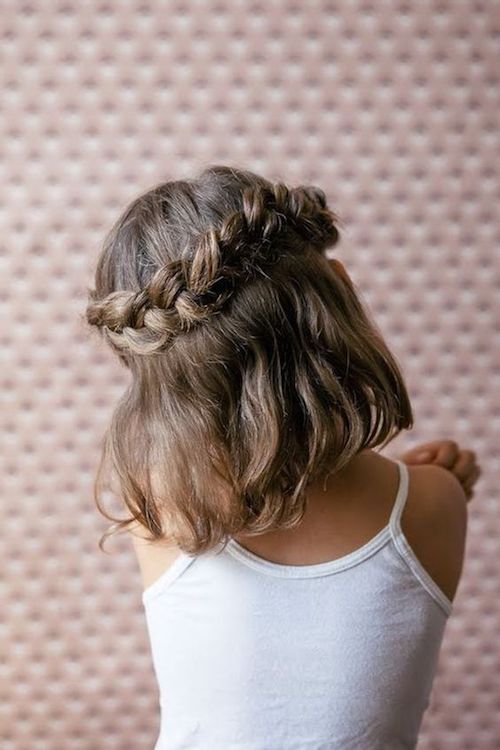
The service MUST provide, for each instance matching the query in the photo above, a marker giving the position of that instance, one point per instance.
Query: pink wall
(391, 108)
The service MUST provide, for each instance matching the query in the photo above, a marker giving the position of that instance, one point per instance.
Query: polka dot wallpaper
(392, 108)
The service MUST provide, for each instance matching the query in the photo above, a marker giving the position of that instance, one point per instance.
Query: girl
(297, 583)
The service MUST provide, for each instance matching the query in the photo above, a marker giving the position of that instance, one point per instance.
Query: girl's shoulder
(153, 557)
(434, 521)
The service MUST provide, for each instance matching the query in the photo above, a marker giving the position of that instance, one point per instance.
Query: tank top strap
(401, 498)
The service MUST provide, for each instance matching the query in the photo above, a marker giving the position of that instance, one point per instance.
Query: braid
(186, 291)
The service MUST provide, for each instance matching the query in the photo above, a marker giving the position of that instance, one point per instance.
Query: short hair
(255, 368)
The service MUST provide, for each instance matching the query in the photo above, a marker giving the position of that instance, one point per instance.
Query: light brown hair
(255, 369)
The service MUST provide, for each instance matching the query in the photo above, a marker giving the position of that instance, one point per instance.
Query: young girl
(297, 582)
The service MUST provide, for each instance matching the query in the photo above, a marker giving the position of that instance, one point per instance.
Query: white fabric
(254, 655)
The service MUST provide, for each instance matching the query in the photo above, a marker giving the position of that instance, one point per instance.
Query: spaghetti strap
(401, 498)
(405, 549)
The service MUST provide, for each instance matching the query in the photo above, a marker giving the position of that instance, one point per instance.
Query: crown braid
(186, 291)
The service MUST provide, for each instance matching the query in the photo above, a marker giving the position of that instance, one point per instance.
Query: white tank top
(255, 655)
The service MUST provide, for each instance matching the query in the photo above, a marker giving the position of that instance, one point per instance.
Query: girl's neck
(327, 498)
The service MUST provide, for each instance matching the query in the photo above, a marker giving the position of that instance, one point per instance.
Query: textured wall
(390, 107)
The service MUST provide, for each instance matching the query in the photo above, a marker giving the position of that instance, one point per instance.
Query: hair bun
(303, 209)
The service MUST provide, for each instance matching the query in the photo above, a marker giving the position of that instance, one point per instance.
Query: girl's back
(322, 636)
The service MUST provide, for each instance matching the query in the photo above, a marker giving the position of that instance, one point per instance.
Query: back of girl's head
(254, 367)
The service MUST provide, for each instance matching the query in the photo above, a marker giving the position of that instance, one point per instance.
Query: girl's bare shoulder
(153, 557)
(434, 521)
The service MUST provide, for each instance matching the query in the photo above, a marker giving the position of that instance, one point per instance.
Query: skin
(447, 453)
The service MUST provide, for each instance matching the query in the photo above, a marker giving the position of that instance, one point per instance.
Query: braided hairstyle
(255, 368)
(187, 290)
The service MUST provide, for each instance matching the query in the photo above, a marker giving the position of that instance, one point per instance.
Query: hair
(255, 369)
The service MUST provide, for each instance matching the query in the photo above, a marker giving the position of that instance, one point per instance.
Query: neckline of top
(392, 528)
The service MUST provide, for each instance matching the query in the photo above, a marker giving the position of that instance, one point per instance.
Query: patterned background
(391, 108)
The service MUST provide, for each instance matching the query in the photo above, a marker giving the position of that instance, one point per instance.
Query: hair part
(255, 367)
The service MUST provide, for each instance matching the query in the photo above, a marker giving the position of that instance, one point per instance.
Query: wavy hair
(255, 369)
